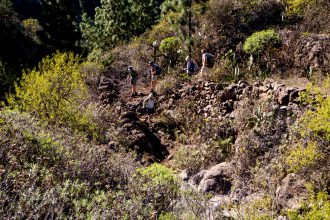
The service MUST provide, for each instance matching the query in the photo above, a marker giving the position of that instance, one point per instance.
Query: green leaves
(183, 13)
(258, 42)
(118, 21)
(55, 92)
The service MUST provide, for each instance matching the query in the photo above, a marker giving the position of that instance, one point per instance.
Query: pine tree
(184, 19)
(117, 21)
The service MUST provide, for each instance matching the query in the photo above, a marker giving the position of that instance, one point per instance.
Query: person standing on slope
(207, 64)
(132, 76)
(191, 66)
(149, 105)
(154, 72)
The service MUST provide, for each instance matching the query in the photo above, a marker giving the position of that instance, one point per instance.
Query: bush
(47, 171)
(169, 83)
(5, 78)
(232, 20)
(56, 92)
(158, 186)
(200, 157)
(170, 46)
(310, 151)
(32, 27)
(316, 17)
(297, 7)
(317, 207)
(261, 41)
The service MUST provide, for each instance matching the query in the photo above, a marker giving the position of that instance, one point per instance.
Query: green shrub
(159, 186)
(161, 30)
(316, 208)
(257, 209)
(56, 92)
(300, 157)
(260, 41)
(169, 47)
(158, 174)
(297, 7)
(31, 27)
(311, 143)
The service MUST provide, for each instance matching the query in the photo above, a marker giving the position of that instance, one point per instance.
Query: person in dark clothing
(191, 66)
(133, 77)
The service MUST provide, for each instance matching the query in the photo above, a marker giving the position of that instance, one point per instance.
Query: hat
(187, 58)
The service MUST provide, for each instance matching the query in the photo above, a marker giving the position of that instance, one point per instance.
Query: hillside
(247, 139)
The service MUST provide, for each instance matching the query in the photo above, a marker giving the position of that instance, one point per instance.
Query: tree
(117, 21)
(60, 19)
(185, 13)
(55, 92)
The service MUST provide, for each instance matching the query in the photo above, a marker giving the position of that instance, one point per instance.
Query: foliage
(161, 30)
(5, 78)
(260, 41)
(315, 17)
(32, 26)
(159, 187)
(183, 17)
(196, 158)
(118, 21)
(5, 8)
(297, 7)
(158, 175)
(317, 207)
(310, 148)
(59, 19)
(170, 47)
(168, 83)
(51, 171)
(313, 128)
(229, 22)
(314, 120)
(301, 157)
(55, 92)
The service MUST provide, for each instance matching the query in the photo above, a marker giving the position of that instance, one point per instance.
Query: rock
(263, 89)
(292, 192)
(207, 185)
(276, 86)
(216, 179)
(196, 179)
(242, 84)
(231, 88)
(283, 97)
(185, 174)
(219, 86)
(293, 97)
(140, 138)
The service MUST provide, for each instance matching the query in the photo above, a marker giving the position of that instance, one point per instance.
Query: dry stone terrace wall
(221, 101)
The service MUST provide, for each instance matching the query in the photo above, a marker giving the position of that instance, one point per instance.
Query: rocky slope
(256, 117)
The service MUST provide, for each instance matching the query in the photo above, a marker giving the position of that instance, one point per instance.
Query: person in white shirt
(207, 64)
(149, 105)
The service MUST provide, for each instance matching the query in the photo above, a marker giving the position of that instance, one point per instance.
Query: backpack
(133, 74)
(209, 60)
(158, 70)
(193, 67)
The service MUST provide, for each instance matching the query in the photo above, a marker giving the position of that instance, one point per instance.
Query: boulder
(216, 179)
